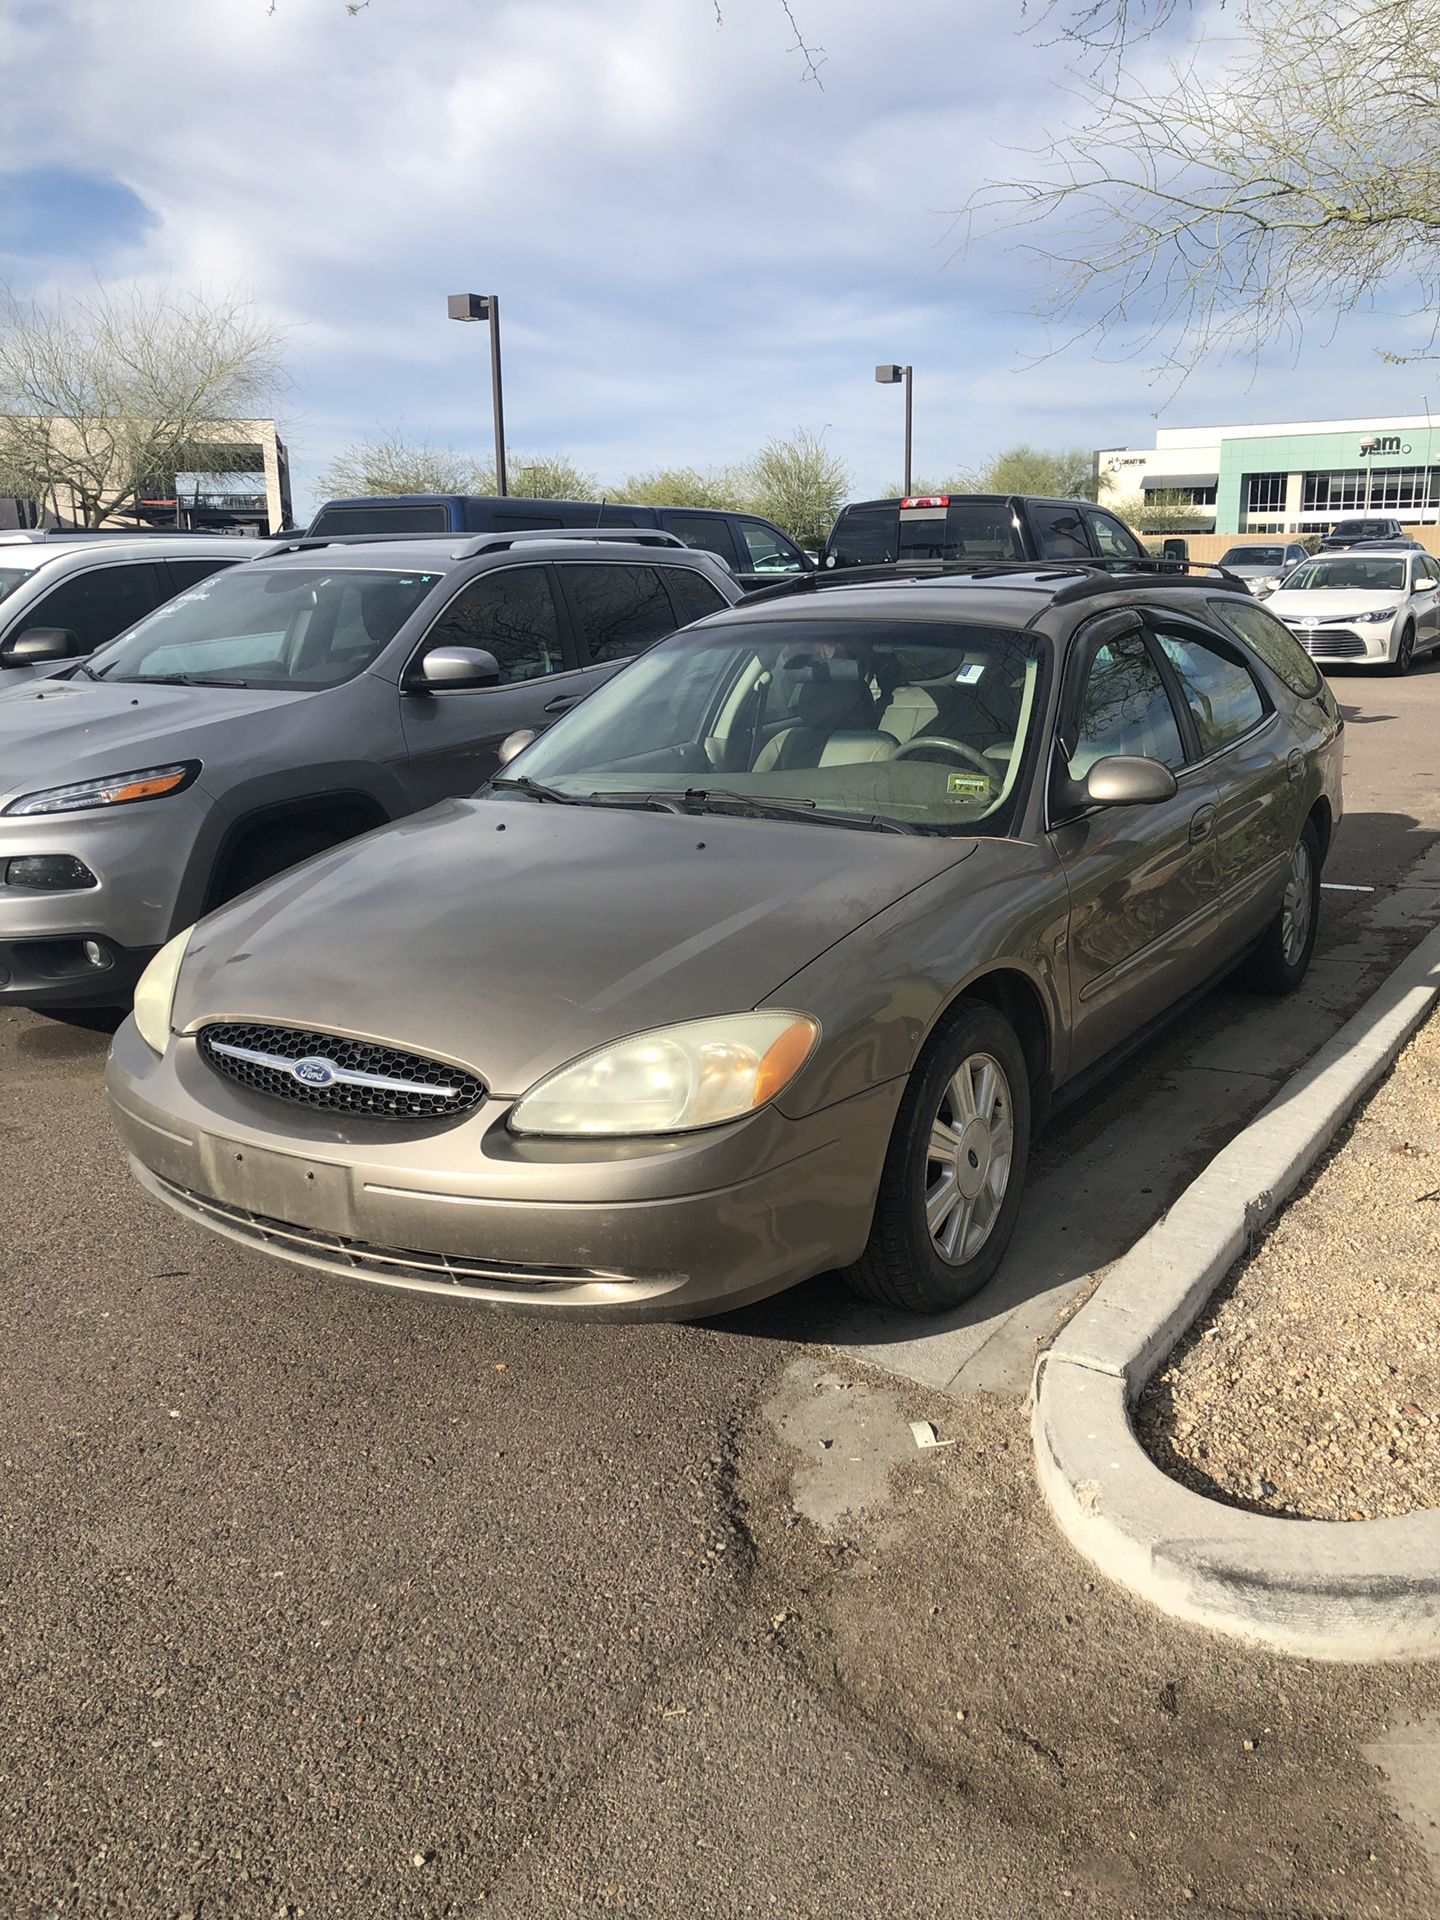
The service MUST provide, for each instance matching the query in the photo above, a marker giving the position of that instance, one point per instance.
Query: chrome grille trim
(335, 1073)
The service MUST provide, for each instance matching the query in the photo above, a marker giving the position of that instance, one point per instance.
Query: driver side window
(1125, 709)
(511, 613)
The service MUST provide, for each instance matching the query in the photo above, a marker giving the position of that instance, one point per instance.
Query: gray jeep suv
(282, 706)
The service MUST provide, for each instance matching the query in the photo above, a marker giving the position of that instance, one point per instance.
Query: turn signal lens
(673, 1080)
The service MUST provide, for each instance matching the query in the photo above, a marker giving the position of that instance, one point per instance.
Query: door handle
(1295, 764)
(560, 705)
(1202, 824)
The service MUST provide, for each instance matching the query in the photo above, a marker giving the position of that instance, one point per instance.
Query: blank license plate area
(282, 1186)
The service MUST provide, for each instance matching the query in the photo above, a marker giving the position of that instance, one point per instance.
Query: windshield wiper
(780, 807)
(537, 790)
(179, 680)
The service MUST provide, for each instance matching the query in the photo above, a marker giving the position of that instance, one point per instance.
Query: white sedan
(1364, 606)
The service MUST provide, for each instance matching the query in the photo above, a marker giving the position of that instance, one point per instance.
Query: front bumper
(137, 855)
(659, 1229)
(1359, 645)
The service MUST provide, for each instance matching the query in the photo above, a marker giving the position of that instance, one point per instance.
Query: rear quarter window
(1272, 643)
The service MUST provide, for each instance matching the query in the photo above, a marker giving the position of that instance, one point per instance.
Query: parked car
(765, 961)
(1368, 606)
(60, 598)
(977, 527)
(756, 551)
(1355, 533)
(289, 704)
(1263, 565)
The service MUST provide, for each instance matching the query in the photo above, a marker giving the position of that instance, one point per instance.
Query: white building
(1290, 477)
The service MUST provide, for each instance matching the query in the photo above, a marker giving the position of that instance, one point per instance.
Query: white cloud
(694, 249)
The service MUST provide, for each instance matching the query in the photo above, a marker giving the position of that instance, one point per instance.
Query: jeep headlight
(109, 790)
(155, 995)
(671, 1080)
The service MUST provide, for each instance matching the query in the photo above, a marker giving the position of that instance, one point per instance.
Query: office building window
(1401, 489)
(1265, 492)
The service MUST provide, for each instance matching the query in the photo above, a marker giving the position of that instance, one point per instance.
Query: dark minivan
(756, 552)
(976, 526)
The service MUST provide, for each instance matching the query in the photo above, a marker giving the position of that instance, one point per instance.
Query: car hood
(1329, 603)
(53, 732)
(513, 936)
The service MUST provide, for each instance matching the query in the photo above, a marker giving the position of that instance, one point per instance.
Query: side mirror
(515, 743)
(1127, 780)
(38, 645)
(451, 669)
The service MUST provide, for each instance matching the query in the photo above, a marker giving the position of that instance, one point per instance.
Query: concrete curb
(1327, 1590)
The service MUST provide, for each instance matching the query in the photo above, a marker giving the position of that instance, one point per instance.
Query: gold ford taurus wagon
(766, 960)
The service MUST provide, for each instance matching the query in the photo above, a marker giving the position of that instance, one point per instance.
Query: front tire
(954, 1174)
(1405, 658)
(1282, 958)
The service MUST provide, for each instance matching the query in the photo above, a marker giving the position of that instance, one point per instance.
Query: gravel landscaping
(1311, 1385)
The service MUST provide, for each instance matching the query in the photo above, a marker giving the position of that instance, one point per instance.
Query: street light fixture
(892, 376)
(486, 306)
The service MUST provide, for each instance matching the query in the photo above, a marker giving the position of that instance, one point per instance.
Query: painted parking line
(1340, 886)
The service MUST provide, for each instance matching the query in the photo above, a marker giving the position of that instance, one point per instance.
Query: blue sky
(694, 248)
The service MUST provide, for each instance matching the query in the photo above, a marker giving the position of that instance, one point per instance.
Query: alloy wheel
(968, 1158)
(1295, 913)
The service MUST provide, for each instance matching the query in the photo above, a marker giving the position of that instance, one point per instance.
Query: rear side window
(1060, 532)
(982, 530)
(378, 517)
(694, 595)
(1111, 538)
(1273, 642)
(502, 519)
(710, 533)
(1222, 696)
(186, 573)
(97, 605)
(865, 536)
(620, 610)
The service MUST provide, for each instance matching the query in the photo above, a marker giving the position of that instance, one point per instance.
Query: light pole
(486, 306)
(892, 376)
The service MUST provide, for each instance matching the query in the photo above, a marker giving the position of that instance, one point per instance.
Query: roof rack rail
(1095, 573)
(1102, 575)
(525, 536)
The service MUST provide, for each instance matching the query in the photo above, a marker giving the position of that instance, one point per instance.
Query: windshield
(1362, 530)
(1253, 557)
(1352, 573)
(980, 530)
(919, 725)
(259, 626)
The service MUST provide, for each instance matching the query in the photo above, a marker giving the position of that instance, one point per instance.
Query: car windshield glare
(1352, 574)
(300, 628)
(1253, 557)
(922, 725)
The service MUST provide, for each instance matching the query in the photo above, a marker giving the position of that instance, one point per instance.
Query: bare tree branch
(1288, 173)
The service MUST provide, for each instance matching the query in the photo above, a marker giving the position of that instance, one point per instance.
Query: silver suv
(278, 708)
(64, 595)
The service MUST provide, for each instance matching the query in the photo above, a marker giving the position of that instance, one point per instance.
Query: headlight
(674, 1079)
(155, 994)
(117, 790)
(1262, 587)
(1380, 613)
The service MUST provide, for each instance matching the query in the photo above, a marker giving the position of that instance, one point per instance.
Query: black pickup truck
(975, 526)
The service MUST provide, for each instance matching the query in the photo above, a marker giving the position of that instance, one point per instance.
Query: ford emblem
(314, 1072)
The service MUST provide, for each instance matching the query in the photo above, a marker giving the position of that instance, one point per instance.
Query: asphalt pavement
(318, 1602)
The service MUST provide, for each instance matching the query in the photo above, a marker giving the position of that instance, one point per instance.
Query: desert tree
(390, 464)
(108, 393)
(682, 487)
(798, 483)
(1287, 168)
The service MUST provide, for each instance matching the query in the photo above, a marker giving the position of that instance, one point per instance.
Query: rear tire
(1282, 959)
(954, 1173)
(266, 854)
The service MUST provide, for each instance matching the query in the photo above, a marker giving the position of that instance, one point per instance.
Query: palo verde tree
(392, 464)
(107, 394)
(1286, 167)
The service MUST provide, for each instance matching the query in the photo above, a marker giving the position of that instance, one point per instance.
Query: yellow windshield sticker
(968, 786)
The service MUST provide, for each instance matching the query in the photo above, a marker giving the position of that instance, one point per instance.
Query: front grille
(1331, 644)
(337, 1253)
(415, 1088)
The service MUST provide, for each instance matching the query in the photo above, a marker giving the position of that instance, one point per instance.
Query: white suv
(64, 595)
